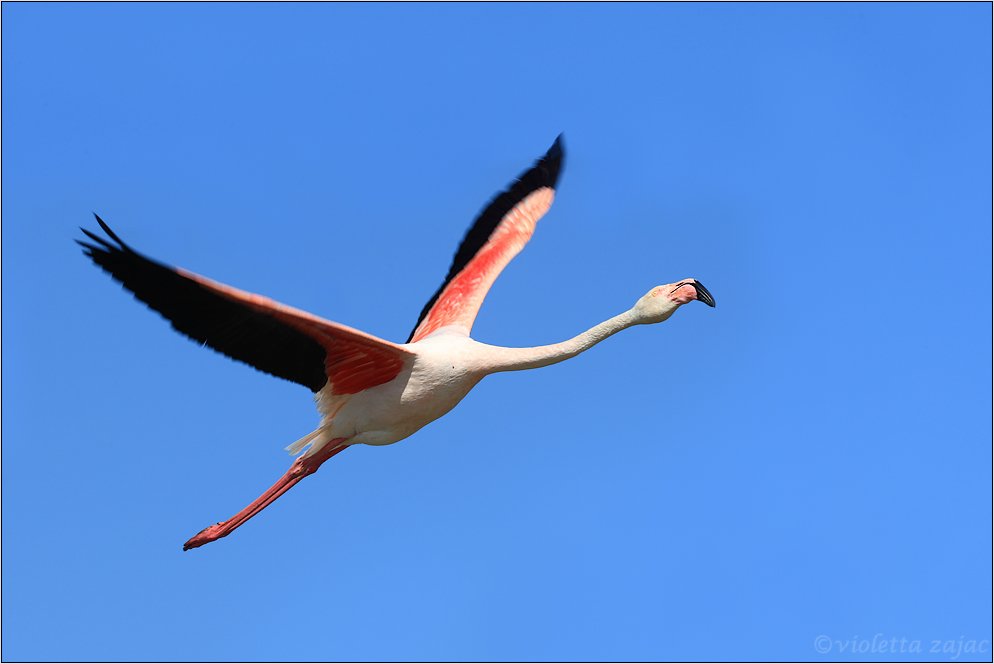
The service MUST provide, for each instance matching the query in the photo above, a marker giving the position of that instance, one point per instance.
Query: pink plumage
(368, 390)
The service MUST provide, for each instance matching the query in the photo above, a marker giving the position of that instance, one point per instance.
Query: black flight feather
(226, 325)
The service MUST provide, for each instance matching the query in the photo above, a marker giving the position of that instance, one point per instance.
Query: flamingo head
(659, 304)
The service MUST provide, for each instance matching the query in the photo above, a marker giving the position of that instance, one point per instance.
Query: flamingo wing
(497, 235)
(265, 334)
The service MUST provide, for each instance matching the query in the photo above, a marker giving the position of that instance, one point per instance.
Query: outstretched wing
(497, 235)
(265, 334)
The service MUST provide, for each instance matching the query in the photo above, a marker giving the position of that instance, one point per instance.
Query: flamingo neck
(517, 359)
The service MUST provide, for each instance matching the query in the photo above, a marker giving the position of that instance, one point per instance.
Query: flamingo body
(444, 368)
(368, 390)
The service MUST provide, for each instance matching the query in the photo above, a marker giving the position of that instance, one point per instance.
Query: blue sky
(810, 459)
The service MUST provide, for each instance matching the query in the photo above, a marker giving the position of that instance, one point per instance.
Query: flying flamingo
(369, 390)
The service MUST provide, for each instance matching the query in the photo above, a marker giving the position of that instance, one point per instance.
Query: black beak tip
(703, 295)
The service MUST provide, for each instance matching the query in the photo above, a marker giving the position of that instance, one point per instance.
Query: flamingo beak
(702, 293)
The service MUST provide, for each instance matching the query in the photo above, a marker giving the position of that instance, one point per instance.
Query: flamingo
(367, 390)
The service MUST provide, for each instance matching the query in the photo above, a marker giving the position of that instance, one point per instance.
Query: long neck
(516, 359)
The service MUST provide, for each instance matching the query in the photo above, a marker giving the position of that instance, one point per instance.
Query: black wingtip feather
(96, 238)
(109, 232)
(554, 159)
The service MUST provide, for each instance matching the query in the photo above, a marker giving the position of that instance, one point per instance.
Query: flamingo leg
(303, 466)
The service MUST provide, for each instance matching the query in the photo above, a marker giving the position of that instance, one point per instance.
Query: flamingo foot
(302, 467)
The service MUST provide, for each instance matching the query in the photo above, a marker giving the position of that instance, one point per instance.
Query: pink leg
(301, 468)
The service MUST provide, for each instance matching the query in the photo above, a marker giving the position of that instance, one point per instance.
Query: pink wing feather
(498, 234)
